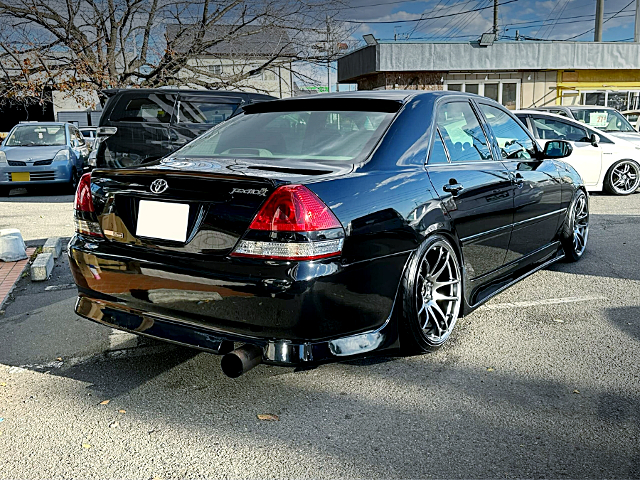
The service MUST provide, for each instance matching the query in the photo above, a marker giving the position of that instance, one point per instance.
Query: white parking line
(536, 303)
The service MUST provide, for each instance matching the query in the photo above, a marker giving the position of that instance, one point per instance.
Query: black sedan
(309, 230)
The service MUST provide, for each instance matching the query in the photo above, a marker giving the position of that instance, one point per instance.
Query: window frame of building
(633, 98)
(481, 85)
(216, 69)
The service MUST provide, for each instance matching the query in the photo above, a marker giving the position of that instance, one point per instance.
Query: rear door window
(461, 133)
(205, 111)
(153, 108)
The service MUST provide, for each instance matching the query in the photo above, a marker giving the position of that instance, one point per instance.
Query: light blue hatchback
(42, 153)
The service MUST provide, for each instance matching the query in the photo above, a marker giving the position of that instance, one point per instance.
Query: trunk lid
(192, 206)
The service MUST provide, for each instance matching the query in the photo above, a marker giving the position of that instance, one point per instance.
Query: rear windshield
(602, 118)
(339, 135)
(37, 136)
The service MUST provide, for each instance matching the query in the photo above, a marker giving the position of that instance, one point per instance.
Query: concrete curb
(42, 267)
(53, 245)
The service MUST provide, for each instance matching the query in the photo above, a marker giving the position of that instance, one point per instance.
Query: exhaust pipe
(241, 360)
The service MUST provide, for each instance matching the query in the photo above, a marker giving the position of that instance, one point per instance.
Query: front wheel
(73, 182)
(623, 178)
(576, 228)
(432, 296)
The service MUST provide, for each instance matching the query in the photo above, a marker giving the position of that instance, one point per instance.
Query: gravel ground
(543, 381)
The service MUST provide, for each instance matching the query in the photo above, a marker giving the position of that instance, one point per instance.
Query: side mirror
(557, 149)
(595, 139)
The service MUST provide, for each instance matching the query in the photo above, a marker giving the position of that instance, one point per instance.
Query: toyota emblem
(159, 185)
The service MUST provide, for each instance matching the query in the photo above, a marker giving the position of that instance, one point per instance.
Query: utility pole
(599, 19)
(328, 57)
(495, 18)
(636, 35)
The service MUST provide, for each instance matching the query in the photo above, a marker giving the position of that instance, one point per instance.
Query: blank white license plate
(167, 221)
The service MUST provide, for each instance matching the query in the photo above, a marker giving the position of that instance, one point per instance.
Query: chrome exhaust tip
(241, 360)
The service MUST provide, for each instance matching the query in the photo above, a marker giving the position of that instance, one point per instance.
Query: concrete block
(53, 245)
(41, 267)
(12, 246)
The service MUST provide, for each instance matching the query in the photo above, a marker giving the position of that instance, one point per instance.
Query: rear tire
(623, 178)
(575, 230)
(432, 296)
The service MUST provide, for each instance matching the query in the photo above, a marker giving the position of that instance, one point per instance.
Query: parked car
(632, 117)
(41, 153)
(89, 134)
(605, 119)
(605, 162)
(318, 228)
(139, 125)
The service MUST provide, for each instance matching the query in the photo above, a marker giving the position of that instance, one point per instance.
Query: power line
(419, 19)
(466, 20)
(428, 22)
(351, 7)
(531, 22)
(550, 27)
(549, 15)
(445, 28)
(613, 16)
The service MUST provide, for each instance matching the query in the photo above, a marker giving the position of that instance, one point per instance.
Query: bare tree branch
(97, 44)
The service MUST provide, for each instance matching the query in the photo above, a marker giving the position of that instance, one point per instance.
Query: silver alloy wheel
(625, 177)
(439, 292)
(580, 225)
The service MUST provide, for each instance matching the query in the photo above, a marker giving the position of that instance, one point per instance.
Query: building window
(620, 100)
(506, 92)
(215, 69)
(267, 75)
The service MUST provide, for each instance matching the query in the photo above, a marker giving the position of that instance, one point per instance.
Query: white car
(605, 162)
(603, 119)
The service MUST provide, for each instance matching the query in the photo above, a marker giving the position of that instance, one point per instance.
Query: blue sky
(548, 19)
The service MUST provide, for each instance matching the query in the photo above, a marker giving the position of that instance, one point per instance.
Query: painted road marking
(537, 303)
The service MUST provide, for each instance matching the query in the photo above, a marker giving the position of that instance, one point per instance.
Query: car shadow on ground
(39, 194)
(495, 423)
(610, 251)
(626, 319)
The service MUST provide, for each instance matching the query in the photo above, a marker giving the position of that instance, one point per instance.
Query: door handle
(453, 188)
(517, 179)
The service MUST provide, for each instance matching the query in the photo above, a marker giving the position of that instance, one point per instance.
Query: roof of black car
(184, 91)
(397, 95)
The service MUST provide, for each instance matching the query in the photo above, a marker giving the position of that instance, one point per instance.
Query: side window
(76, 135)
(461, 133)
(204, 112)
(438, 154)
(559, 112)
(513, 140)
(153, 108)
(551, 129)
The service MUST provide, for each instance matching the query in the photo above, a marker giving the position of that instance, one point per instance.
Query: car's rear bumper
(265, 303)
(275, 351)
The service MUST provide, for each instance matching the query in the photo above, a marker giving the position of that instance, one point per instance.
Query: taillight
(293, 224)
(83, 201)
(85, 218)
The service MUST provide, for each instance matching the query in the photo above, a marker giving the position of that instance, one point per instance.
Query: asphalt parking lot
(543, 381)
